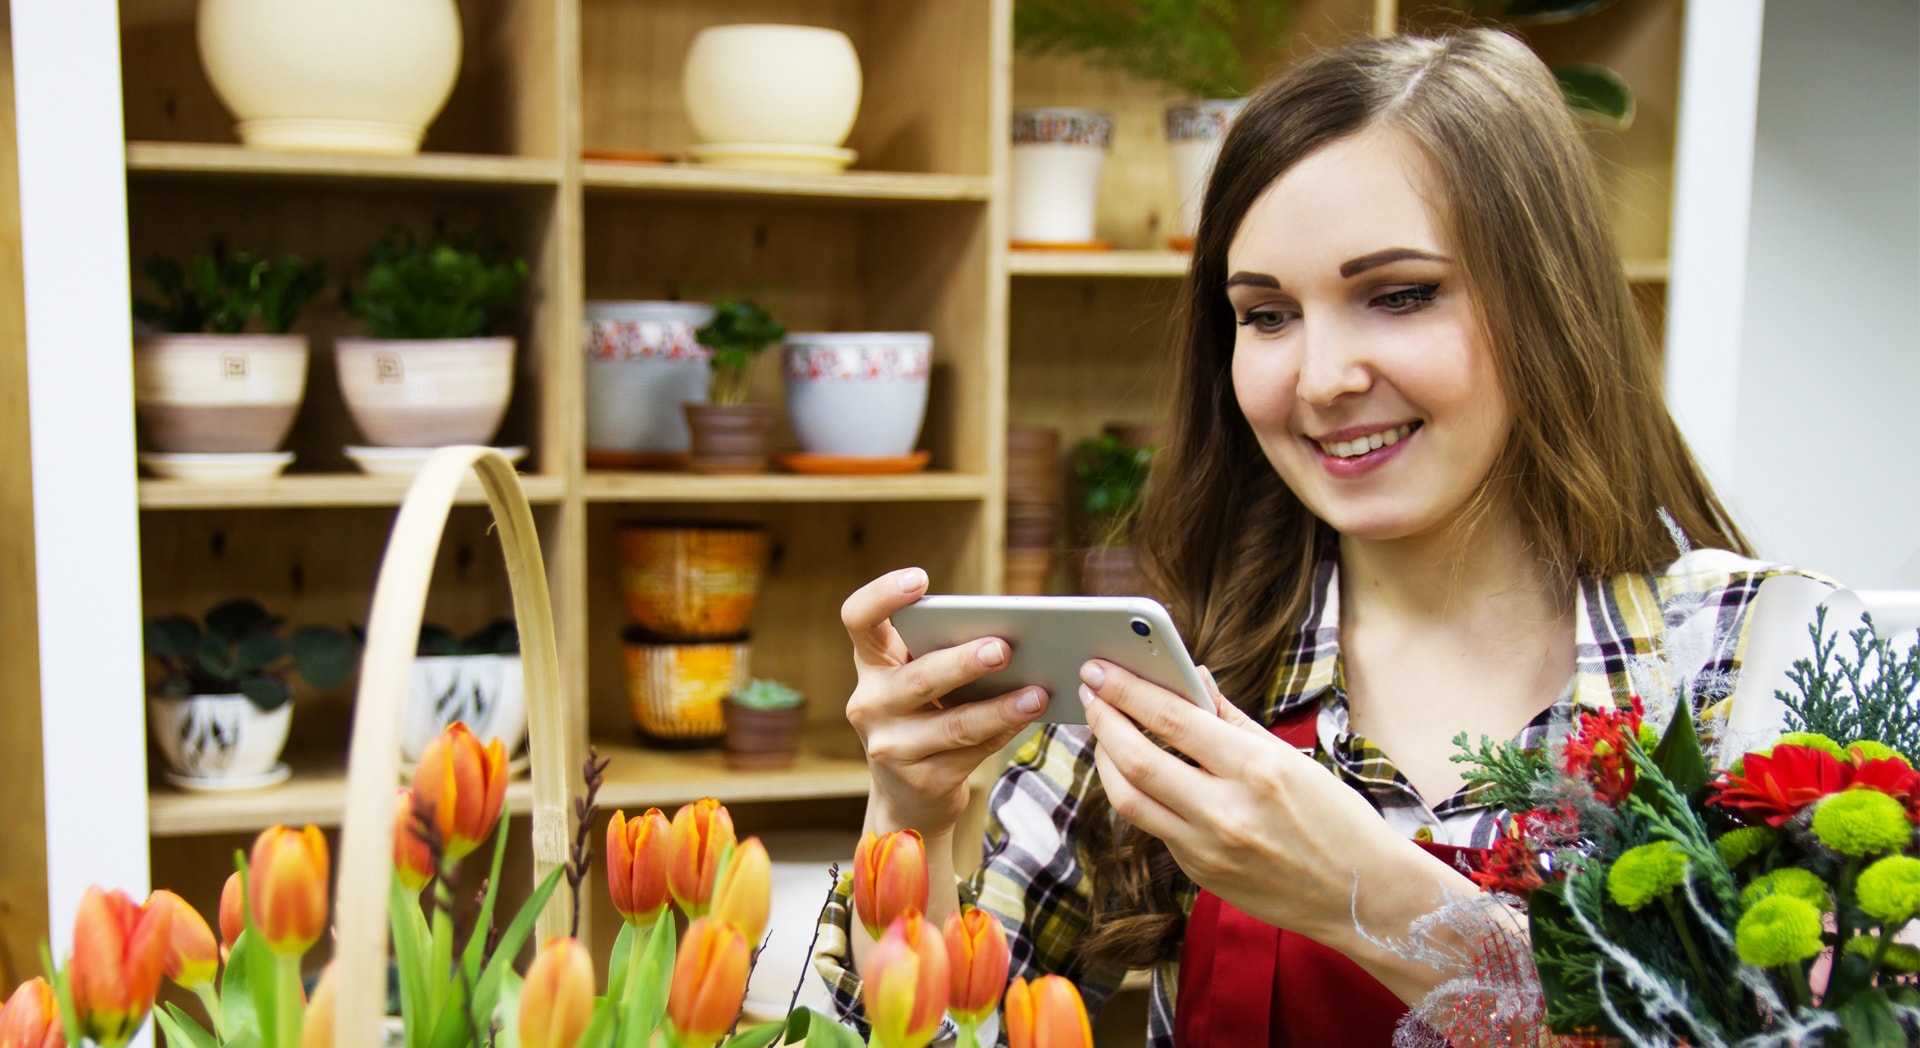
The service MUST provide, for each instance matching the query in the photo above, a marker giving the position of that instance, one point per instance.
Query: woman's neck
(1457, 578)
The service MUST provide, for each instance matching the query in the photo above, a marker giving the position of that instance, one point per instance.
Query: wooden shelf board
(317, 793)
(318, 490)
(1097, 263)
(782, 487)
(696, 180)
(194, 158)
(1646, 270)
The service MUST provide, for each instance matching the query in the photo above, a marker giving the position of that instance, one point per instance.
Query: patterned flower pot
(858, 393)
(691, 582)
(1057, 157)
(219, 739)
(729, 438)
(486, 692)
(676, 690)
(643, 363)
(426, 393)
(763, 740)
(218, 394)
(1194, 134)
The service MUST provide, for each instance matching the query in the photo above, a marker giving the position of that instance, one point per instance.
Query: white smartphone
(1052, 637)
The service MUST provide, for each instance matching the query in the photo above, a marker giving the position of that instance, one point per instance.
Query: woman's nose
(1333, 364)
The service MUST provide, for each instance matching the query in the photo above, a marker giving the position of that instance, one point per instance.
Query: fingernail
(1093, 674)
(1030, 701)
(1087, 697)
(911, 579)
(1212, 685)
(993, 653)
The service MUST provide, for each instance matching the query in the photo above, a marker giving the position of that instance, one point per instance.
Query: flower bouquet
(1770, 903)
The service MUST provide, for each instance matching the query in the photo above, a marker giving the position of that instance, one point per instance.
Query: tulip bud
(557, 1002)
(701, 833)
(31, 1017)
(745, 891)
(978, 955)
(906, 984)
(709, 983)
(1048, 1013)
(465, 785)
(889, 878)
(119, 952)
(412, 859)
(637, 857)
(287, 887)
(193, 957)
(318, 1029)
(233, 920)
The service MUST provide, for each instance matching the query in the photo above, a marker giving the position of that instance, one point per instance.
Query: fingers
(1143, 811)
(867, 610)
(973, 728)
(1232, 715)
(1146, 768)
(1210, 739)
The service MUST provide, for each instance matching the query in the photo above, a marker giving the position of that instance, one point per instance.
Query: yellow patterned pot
(676, 691)
(691, 582)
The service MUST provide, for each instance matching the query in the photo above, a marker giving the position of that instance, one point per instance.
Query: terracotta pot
(426, 393)
(1031, 527)
(762, 740)
(1109, 571)
(729, 438)
(218, 394)
(675, 690)
(691, 582)
(1026, 572)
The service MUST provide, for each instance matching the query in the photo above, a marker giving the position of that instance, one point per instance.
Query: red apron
(1246, 984)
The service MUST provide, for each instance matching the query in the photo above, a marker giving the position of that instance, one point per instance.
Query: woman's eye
(1407, 299)
(1265, 321)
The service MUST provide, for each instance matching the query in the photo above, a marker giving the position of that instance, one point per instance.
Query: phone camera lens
(1140, 627)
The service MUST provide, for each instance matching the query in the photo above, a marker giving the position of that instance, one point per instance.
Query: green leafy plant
(1594, 92)
(500, 637)
(1205, 48)
(450, 287)
(222, 294)
(739, 331)
(767, 695)
(241, 648)
(1839, 699)
(1113, 477)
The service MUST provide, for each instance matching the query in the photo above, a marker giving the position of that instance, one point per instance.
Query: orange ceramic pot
(691, 583)
(676, 691)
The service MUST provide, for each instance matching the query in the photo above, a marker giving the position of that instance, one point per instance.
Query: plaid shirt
(1036, 877)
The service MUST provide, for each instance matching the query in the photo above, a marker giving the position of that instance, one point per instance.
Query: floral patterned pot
(858, 393)
(643, 363)
(1058, 155)
(1194, 134)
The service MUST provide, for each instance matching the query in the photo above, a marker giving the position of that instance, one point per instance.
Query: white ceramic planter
(213, 737)
(643, 362)
(859, 394)
(424, 393)
(797, 870)
(1057, 157)
(348, 76)
(771, 85)
(486, 692)
(1194, 134)
(218, 394)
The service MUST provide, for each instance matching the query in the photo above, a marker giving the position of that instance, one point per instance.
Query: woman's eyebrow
(1253, 280)
(1381, 258)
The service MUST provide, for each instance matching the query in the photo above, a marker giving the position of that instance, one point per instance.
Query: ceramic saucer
(405, 462)
(216, 467)
(778, 157)
(273, 776)
(853, 465)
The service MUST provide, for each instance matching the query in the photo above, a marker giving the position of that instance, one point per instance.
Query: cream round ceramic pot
(424, 393)
(218, 736)
(218, 394)
(858, 393)
(348, 76)
(772, 85)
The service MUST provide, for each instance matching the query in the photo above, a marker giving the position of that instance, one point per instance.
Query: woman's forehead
(1352, 197)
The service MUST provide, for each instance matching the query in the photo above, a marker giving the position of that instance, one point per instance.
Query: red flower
(1891, 776)
(1776, 786)
(1597, 750)
(1516, 863)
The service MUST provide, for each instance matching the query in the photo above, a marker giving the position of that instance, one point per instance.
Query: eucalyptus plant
(239, 647)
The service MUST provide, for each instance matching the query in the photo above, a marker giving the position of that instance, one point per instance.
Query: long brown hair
(1592, 457)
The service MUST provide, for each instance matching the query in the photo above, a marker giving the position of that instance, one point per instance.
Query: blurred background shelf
(1140, 263)
(157, 159)
(775, 487)
(316, 491)
(694, 180)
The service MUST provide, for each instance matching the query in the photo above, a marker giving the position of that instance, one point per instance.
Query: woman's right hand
(919, 753)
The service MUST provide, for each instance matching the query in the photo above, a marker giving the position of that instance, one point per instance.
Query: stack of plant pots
(1033, 507)
(690, 590)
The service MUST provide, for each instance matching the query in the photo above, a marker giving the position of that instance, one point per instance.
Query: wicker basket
(373, 766)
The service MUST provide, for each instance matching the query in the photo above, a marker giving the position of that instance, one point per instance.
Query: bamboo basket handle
(373, 765)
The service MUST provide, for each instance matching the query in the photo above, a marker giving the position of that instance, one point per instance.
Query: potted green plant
(474, 679)
(216, 368)
(222, 691)
(763, 726)
(433, 373)
(1113, 476)
(729, 434)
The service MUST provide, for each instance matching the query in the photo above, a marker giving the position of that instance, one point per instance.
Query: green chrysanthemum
(1864, 750)
(1862, 822)
(1811, 740)
(1889, 890)
(1738, 845)
(1643, 874)
(1649, 739)
(1791, 881)
(1777, 930)
(1899, 956)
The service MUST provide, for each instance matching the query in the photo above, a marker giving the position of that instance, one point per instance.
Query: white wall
(1826, 461)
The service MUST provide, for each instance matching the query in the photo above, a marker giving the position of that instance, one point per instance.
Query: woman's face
(1359, 359)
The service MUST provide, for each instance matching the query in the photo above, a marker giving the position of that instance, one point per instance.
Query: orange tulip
(701, 833)
(119, 952)
(31, 1018)
(978, 956)
(906, 984)
(637, 857)
(465, 784)
(412, 859)
(193, 956)
(889, 878)
(1047, 1014)
(318, 1030)
(232, 920)
(745, 891)
(557, 1003)
(287, 887)
(709, 983)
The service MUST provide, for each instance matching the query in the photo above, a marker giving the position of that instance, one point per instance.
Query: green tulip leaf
(500, 966)
(819, 1031)
(617, 965)
(646, 997)
(181, 1030)
(1597, 94)
(409, 929)
(476, 944)
(757, 1036)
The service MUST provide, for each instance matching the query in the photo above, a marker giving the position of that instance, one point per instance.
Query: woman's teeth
(1361, 445)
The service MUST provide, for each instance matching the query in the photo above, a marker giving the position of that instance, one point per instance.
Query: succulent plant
(222, 294)
(767, 695)
(241, 648)
(450, 287)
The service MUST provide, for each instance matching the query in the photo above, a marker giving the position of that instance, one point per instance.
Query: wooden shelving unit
(216, 160)
(316, 491)
(671, 487)
(853, 187)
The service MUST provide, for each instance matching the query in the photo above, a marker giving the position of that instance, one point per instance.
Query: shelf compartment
(316, 491)
(1166, 264)
(780, 487)
(195, 159)
(694, 180)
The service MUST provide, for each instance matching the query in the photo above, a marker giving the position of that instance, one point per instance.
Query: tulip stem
(290, 1001)
(636, 949)
(442, 946)
(211, 1002)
